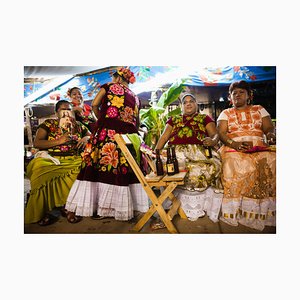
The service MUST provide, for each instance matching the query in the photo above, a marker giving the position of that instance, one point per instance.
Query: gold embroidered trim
(249, 215)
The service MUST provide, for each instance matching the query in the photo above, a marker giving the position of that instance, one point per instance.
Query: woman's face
(76, 97)
(239, 97)
(189, 105)
(117, 79)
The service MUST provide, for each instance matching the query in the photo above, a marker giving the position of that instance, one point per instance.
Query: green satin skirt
(50, 184)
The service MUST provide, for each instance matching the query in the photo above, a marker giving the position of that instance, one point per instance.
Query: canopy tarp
(148, 78)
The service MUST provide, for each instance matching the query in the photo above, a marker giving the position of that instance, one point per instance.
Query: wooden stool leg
(182, 213)
(173, 210)
(138, 226)
(157, 206)
(161, 211)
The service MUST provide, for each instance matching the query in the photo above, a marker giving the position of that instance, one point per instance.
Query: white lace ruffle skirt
(249, 212)
(195, 203)
(87, 198)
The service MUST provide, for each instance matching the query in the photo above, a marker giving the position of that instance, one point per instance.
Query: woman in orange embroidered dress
(248, 162)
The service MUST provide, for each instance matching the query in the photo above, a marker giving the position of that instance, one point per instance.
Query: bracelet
(229, 141)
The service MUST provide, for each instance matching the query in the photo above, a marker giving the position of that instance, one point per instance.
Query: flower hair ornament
(126, 74)
(69, 92)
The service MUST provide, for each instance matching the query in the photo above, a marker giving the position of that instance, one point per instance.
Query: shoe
(97, 217)
(72, 218)
(48, 219)
(157, 224)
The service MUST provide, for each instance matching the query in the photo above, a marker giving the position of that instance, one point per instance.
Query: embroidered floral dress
(106, 184)
(249, 179)
(203, 179)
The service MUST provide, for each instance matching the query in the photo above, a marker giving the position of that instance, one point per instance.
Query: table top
(177, 177)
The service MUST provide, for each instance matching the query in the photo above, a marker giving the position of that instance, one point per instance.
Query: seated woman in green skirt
(57, 164)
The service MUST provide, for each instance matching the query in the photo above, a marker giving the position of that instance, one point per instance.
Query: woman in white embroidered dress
(248, 161)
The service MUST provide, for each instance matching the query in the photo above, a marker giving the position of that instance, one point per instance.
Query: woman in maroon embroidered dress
(106, 185)
(190, 132)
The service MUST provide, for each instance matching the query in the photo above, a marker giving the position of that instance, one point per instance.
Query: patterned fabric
(104, 167)
(188, 129)
(54, 132)
(249, 179)
(202, 172)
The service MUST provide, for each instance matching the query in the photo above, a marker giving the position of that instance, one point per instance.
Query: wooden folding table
(168, 183)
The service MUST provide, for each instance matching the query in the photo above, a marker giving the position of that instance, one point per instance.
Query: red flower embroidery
(102, 135)
(64, 148)
(117, 89)
(112, 112)
(124, 170)
(111, 134)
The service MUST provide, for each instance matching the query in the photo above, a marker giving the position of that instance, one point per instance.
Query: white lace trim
(195, 203)
(86, 198)
(251, 214)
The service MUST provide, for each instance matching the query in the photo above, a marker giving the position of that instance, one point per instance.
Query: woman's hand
(241, 146)
(271, 138)
(209, 142)
(82, 142)
(64, 139)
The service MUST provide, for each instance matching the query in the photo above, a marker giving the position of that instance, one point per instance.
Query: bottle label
(170, 168)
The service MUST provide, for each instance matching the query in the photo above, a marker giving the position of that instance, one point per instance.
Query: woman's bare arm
(268, 129)
(212, 134)
(97, 101)
(164, 137)
(41, 140)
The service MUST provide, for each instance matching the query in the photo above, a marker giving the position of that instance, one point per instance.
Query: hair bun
(127, 75)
